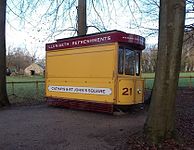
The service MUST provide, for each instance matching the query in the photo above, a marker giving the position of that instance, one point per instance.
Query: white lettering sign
(80, 42)
(81, 90)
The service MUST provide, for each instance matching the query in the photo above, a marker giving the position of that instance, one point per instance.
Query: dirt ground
(39, 127)
(184, 127)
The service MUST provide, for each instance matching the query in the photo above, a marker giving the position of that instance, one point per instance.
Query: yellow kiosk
(95, 72)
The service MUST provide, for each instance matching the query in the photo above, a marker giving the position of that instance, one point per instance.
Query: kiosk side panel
(84, 73)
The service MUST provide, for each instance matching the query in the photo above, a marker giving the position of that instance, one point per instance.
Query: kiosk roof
(135, 41)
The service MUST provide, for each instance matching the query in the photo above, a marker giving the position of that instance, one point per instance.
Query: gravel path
(40, 127)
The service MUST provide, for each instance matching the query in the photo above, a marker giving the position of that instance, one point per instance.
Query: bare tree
(42, 25)
(189, 25)
(149, 11)
(59, 18)
(187, 63)
(160, 123)
(19, 58)
(149, 57)
(82, 25)
(187, 58)
(3, 93)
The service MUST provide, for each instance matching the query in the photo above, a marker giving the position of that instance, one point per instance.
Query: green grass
(148, 75)
(24, 78)
(152, 75)
(183, 82)
(187, 74)
(24, 91)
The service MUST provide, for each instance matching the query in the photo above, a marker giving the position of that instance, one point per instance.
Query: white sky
(32, 34)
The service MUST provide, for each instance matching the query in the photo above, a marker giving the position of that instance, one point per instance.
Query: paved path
(40, 127)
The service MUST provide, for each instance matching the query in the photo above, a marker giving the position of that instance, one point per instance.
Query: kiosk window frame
(130, 67)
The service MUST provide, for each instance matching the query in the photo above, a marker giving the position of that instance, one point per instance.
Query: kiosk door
(126, 91)
(130, 85)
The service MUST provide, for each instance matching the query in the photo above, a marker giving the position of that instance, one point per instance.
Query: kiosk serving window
(121, 60)
(137, 64)
(128, 61)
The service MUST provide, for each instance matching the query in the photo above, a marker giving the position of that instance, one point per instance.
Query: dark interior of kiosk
(128, 61)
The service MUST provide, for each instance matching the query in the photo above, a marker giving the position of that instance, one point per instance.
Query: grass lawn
(25, 91)
(24, 78)
(183, 82)
(182, 74)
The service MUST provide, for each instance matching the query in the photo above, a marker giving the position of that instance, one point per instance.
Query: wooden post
(190, 82)
(37, 92)
(144, 83)
(12, 85)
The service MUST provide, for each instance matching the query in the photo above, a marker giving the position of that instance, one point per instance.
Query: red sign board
(136, 41)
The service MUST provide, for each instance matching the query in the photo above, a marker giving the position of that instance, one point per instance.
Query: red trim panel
(81, 105)
(136, 41)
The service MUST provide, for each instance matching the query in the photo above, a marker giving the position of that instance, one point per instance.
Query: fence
(184, 81)
(33, 91)
(28, 91)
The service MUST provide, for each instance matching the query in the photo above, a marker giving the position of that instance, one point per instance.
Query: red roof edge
(135, 41)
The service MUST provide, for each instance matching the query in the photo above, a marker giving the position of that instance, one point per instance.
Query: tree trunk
(3, 92)
(82, 27)
(160, 123)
